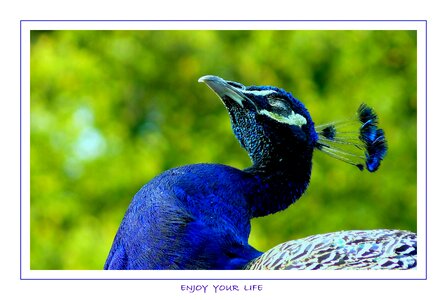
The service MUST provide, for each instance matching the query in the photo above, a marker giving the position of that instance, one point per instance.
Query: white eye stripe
(260, 92)
(291, 119)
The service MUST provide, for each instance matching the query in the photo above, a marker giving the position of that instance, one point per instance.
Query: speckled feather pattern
(349, 250)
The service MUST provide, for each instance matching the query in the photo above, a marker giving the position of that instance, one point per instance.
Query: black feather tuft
(329, 132)
(366, 149)
(366, 115)
(372, 137)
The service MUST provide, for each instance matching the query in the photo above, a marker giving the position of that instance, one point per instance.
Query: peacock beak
(226, 90)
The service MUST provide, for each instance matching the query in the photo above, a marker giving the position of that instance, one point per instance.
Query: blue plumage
(198, 216)
(185, 218)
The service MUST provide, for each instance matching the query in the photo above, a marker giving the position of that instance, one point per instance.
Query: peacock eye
(278, 104)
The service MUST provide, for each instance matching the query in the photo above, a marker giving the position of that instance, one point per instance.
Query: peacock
(198, 216)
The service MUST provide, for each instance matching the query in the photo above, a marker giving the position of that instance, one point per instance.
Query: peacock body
(198, 216)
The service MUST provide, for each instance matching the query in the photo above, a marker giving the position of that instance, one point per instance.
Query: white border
(27, 26)
(219, 25)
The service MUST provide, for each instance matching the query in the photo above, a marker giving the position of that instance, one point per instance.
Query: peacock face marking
(281, 112)
(276, 104)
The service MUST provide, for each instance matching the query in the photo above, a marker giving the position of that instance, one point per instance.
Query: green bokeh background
(112, 109)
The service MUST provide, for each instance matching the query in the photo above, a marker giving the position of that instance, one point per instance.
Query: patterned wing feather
(349, 250)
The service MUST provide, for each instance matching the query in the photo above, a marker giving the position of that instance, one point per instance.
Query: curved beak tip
(222, 88)
(205, 78)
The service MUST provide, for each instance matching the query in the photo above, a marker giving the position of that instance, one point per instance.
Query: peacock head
(276, 128)
(270, 124)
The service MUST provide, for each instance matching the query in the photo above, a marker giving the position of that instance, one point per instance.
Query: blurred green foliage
(112, 109)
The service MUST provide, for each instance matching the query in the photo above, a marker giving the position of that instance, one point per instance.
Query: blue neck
(280, 184)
